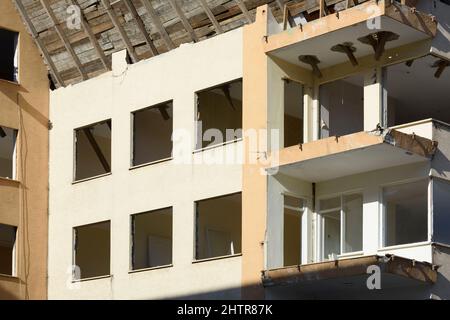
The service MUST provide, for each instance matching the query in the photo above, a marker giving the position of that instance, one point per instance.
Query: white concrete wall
(422, 129)
(341, 108)
(175, 75)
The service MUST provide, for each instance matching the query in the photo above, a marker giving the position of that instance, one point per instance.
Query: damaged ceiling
(78, 49)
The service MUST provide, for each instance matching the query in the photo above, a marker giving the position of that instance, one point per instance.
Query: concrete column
(275, 225)
(371, 220)
(315, 125)
(308, 99)
(374, 99)
(119, 62)
(254, 184)
(306, 234)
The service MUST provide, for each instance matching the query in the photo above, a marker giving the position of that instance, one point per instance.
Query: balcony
(348, 278)
(336, 157)
(369, 195)
(348, 35)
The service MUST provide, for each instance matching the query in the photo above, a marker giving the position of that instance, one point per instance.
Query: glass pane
(332, 234)
(406, 209)
(330, 203)
(293, 202)
(353, 209)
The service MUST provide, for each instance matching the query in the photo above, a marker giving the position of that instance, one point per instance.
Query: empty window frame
(219, 114)
(341, 225)
(342, 107)
(407, 101)
(218, 227)
(293, 113)
(9, 59)
(405, 213)
(92, 250)
(293, 211)
(7, 152)
(93, 150)
(152, 134)
(151, 239)
(8, 250)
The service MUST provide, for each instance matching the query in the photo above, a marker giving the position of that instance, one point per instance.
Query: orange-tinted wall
(24, 203)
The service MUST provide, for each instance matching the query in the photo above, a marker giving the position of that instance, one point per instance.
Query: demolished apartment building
(157, 189)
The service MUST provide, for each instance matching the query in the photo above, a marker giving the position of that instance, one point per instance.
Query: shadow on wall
(252, 291)
(32, 111)
(9, 288)
(224, 294)
(317, 292)
(15, 94)
(347, 287)
(440, 288)
(11, 89)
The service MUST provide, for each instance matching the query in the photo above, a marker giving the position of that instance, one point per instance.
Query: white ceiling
(356, 161)
(320, 46)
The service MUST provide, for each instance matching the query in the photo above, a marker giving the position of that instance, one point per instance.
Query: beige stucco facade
(318, 167)
(24, 200)
(124, 192)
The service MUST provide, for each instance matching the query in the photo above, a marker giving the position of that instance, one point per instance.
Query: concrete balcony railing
(422, 128)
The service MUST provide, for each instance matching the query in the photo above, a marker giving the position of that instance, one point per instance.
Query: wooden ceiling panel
(144, 27)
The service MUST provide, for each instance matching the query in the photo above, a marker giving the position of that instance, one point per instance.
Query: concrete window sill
(8, 180)
(217, 145)
(92, 178)
(217, 258)
(10, 82)
(8, 277)
(150, 163)
(351, 254)
(150, 269)
(92, 279)
(405, 246)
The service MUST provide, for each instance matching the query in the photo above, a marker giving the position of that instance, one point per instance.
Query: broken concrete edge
(366, 11)
(409, 16)
(411, 143)
(119, 62)
(420, 271)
